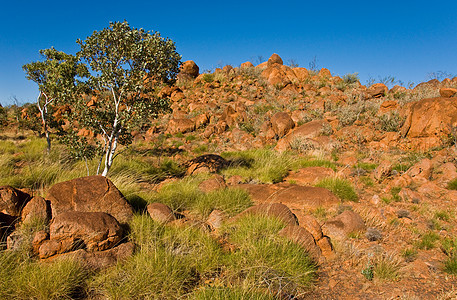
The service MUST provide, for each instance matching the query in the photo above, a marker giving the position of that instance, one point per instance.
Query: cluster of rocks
(85, 216)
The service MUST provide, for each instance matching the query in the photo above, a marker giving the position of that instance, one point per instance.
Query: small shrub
(391, 122)
(452, 185)
(450, 265)
(409, 254)
(208, 77)
(387, 267)
(340, 187)
(427, 240)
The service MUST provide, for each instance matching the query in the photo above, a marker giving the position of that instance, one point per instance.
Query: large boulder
(344, 224)
(305, 132)
(275, 59)
(377, 90)
(72, 230)
(36, 208)
(180, 126)
(207, 163)
(189, 70)
(89, 194)
(276, 210)
(429, 120)
(161, 213)
(293, 196)
(12, 200)
(281, 123)
(303, 238)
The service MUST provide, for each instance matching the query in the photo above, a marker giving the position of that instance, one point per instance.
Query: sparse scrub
(340, 187)
(387, 266)
(391, 122)
(229, 293)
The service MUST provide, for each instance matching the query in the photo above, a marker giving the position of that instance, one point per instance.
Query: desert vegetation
(247, 182)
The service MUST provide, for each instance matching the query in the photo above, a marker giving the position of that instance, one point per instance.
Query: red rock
(430, 120)
(160, 212)
(448, 92)
(377, 90)
(324, 73)
(301, 73)
(275, 59)
(247, 64)
(94, 231)
(309, 175)
(89, 194)
(189, 70)
(311, 224)
(421, 172)
(383, 170)
(294, 196)
(36, 208)
(281, 123)
(215, 219)
(388, 106)
(326, 247)
(276, 210)
(180, 126)
(340, 226)
(216, 182)
(306, 131)
(12, 200)
(302, 237)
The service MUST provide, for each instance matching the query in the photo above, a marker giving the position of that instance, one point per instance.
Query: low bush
(340, 187)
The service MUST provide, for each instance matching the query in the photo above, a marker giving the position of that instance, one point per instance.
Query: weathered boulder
(160, 212)
(89, 194)
(421, 172)
(302, 237)
(448, 92)
(377, 90)
(247, 64)
(302, 133)
(36, 208)
(275, 59)
(281, 123)
(311, 224)
(189, 70)
(180, 126)
(276, 210)
(429, 120)
(345, 223)
(214, 183)
(215, 219)
(72, 230)
(293, 196)
(383, 170)
(12, 200)
(309, 175)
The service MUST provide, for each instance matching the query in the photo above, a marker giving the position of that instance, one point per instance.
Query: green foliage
(452, 185)
(366, 166)
(427, 241)
(57, 82)
(229, 293)
(3, 117)
(387, 267)
(340, 187)
(264, 259)
(26, 279)
(208, 77)
(185, 195)
(409, 254)
(121, 59)
(350, 78)
(449, 247)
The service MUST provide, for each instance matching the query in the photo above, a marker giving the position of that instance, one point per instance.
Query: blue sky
(404, 39)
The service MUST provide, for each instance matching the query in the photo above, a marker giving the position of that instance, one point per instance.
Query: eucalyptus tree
(57, 79)
(124, 63)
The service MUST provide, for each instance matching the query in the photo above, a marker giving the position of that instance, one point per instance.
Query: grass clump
(185, 195)
(449, 247)
(342, 188)
(23, 278)
(409, 254)
(265, 166)
(265, 260)
(452, 185)
(427, 241)
(387, 267)
(229, 293)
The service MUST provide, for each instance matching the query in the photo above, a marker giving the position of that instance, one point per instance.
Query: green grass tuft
(340, 187)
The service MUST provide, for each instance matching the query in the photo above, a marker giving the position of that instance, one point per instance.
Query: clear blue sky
(404, 39)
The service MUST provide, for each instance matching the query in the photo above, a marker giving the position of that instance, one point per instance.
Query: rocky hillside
(264, 182)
